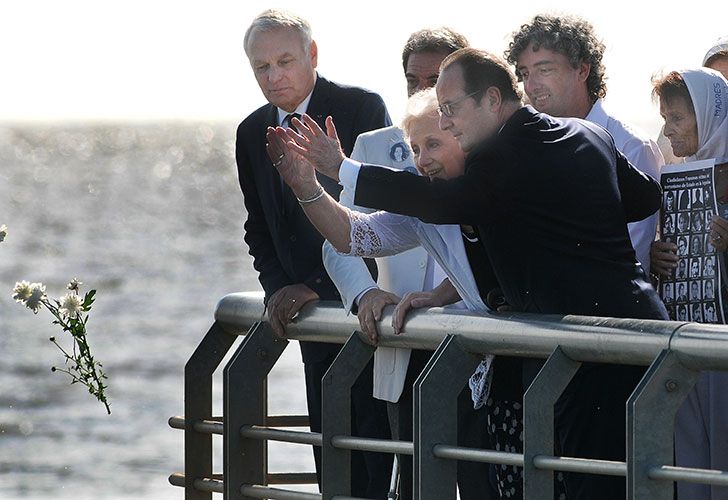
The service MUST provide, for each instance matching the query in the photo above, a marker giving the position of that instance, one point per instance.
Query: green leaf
(88, 299)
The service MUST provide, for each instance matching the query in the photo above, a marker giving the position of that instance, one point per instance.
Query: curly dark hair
(438, 40)
(571, 36)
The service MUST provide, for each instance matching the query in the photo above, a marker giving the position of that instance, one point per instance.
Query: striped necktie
(287, 120)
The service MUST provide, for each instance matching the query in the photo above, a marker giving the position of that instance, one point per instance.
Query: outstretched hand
(322, 149)
(295, 171)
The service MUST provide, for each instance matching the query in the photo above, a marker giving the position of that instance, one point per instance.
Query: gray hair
(422, 104)
(273, 19)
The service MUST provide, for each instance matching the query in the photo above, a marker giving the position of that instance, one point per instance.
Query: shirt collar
(300, 109)
(597, 114)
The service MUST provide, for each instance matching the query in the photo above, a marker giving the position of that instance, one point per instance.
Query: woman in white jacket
(437, 155)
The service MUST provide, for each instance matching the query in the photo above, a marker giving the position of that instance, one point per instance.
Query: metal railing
(675, 353)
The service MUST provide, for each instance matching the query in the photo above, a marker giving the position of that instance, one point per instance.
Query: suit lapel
(319, 107)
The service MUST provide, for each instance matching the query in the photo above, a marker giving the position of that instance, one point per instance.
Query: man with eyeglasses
(395, 369)
(551, 199)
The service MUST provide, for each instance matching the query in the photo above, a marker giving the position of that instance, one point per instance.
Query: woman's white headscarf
(709, 92)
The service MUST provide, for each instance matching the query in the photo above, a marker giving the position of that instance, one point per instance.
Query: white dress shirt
(644, 154)
(300, 109)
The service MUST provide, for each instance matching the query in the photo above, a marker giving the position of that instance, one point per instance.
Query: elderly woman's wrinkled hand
(322, 149)
(413, 300)
(371, 307)
(719, 233)
(293, 169)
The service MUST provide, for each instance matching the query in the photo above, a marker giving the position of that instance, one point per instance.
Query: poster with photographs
(689, 203)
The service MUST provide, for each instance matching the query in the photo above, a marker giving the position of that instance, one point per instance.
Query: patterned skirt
(505, 428)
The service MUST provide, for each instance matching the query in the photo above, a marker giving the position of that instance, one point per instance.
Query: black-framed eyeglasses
(447, 108)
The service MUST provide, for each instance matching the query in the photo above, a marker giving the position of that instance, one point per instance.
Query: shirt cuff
(349, 173)
(358, 297)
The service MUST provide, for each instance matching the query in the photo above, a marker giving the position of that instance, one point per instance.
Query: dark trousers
(591, 423)
(473, 477)
(370, 472)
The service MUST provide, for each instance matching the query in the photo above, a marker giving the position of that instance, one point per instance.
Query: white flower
(37, 294)
(3, 232)
(74, 284)
(22, 291)
(70, 305)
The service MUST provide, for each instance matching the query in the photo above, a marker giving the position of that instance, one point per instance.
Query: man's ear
(493, 98)
(584, 70)
(313, 52)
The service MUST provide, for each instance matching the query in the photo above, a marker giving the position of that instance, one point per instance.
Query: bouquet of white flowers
(69, 313)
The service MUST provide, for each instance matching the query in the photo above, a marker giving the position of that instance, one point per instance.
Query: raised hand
(323, 150)
(295, 170)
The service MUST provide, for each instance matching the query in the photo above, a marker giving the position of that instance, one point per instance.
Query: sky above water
(87, 60)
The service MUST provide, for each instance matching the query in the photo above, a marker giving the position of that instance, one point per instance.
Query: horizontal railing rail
(674, 351)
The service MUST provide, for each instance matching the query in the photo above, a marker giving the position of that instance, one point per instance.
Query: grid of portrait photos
(692, 293)
(689, 203)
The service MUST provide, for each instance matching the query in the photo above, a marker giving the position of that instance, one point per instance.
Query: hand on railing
(442, 295)
(370, 308)
(285, 303)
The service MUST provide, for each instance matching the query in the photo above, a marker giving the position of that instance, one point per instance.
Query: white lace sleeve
(381, 233)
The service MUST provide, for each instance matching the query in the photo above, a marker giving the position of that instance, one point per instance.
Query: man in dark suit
(286, 249)
(551, 198)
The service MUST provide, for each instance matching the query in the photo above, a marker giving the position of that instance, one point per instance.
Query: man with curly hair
(559, 61)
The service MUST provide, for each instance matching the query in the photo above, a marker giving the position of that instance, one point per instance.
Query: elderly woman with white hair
(694, 105)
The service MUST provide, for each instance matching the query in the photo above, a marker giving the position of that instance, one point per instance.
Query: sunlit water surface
(151, 216)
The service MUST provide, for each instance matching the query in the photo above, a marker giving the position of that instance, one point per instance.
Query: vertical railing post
(336, 414)
(245, 398)
(538, 421)
(436, 392)
(651, 421)
(198, 406)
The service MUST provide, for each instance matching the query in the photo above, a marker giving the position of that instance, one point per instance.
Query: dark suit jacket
(551, 198)
(286, 248)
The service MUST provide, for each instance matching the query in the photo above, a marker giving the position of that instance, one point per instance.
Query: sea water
(151, 216)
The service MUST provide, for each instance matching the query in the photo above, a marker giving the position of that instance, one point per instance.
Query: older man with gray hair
(286, 249)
